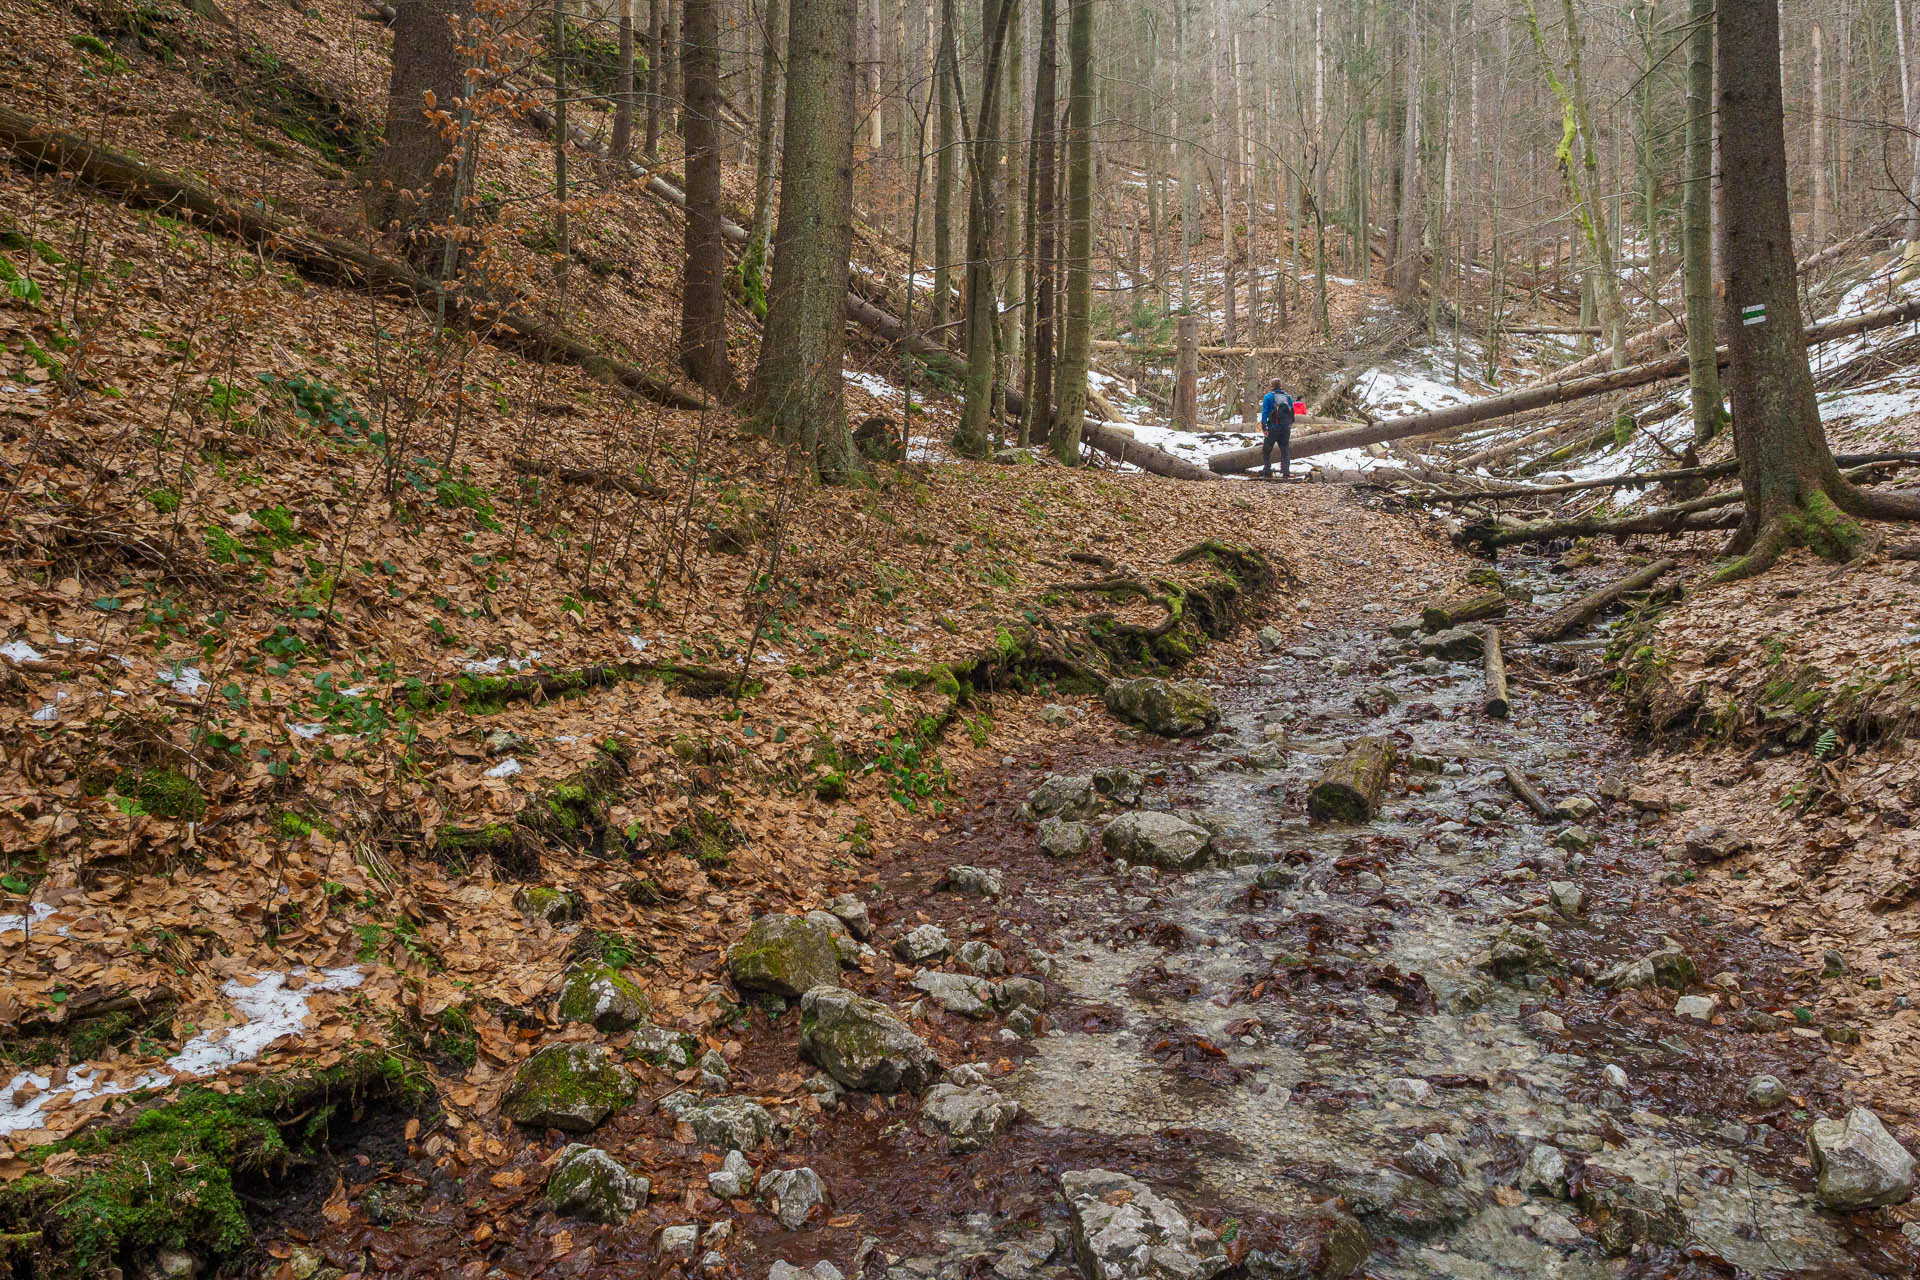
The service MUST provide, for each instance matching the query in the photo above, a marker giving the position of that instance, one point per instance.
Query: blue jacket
(1276, 412)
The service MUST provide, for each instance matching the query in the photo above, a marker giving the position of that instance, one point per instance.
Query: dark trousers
(1282, 436)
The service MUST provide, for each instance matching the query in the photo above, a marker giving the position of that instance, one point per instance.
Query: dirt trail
(1313, 1015)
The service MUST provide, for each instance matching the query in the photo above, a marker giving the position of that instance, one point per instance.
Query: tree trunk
(1496, 704)
(1909, 114)
(944, 142)
(703, 301)
(1070, 384)
(976, 414)
(412, 192)
(1350, 788)
(623, 88)
(1703, 370)
(1817, 141)
(1795, 495)
(656, 59)
(1037, 420)
(562, 233)
(1570, 618)
(799, 391)
(753, 263)
(1406, 256)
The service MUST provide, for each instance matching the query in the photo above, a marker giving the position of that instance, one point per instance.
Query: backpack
(1276, 411)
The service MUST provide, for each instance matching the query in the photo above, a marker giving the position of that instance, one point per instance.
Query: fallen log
(1539, 395)
(1350, 788)
(1908, 551)
(1648, 479)
(590, 477)
(1495, 667)
(1451, 611)
(1529, 796)
(322, 257)
(1570, 618)
(1554, 331)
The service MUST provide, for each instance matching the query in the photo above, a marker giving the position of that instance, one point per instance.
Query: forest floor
(360, 683)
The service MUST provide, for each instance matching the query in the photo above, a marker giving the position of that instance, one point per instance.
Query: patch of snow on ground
(490, 666)
(36, 912)
(874, 385)
(186, 681)
(271, 1009)
(19, 651)
(505, 769)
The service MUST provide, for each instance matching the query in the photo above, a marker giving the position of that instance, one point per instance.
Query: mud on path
(1315, 1015)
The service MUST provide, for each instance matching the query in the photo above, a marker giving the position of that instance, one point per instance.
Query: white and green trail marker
(1756, 314)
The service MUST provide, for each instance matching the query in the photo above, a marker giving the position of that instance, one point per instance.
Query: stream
(1311, 1016)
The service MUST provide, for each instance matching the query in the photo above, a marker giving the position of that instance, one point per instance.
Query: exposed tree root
(592, 478)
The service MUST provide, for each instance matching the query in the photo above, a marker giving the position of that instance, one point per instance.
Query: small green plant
(165, 501)
(20, 288)
(162, 792)
(1823, 745)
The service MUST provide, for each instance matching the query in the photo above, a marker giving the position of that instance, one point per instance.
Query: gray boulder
(921, 944)
(1715, 843)
(1063, 796)
(725, 1124)
(588, 1183)
(1119, 785)
(1857, 1164)
(1765, 1093)
(1015, 992)
(1124, 1230)
(786, 955)
(733, 1179)
(846, 948)
(862, 1043)
(605, 998)
(1272, 639)
(1455, 644)
(1545, 1173)
(793, 1194)
(1060, 838)
(571, 1086)
(1667, 968)
(1055, 716)
(1151, 838)
(981, 958)
(975, 882)
(968, 1116)
(1169, 708)
(1626, 1213)
(853, 914)
(960, 993)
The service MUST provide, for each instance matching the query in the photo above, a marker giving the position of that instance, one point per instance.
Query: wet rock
(671, 1050)
(1566, 898)
(1515, 953)
(1366, 882)
(862, 1043)
(605, 998)
(1015, 992)
(725, 1124)
(1434, 1158)
(969, 1115)
(846, 948)
(1060, 838)
(733, 1180)
(793, 1194)
(1332, 1244)
(1404, 628)
(1700, 1008)
(679, 1240)
(572, 1087)
(1055, 716)
(853, 914)
(1574, 839)
(825, 1088)
(1063, 796)
(1169, 708)
(921, 944)
(1715, 843)
(1764, 1093)
(1647, 800)
(1410, 1090)
(1669, 968)
(974, 882)
(960, 993)
(1275, 876)
(1857, 1164)
(1455, 644)
(982, 958)
(1153, 839)
(1124, 1230)
(1577, 808)
(786, 955)
(1615, 1076)
(588, 1183)
(554, 906)
(1626, 1214)
(1272, 639)
(821, 1270)
(1407, 1204)
(1545, 1172)
(1119, 785)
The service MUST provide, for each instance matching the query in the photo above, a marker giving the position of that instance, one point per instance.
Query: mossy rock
(1169, 708)
(588, 1183)
(573, 1087)
(862, 1043)
(555, 906)
(163, 792)
(785, 955)
(605, 998)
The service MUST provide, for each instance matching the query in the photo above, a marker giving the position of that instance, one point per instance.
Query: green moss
(173, 1176)
(165, 501)
(291, 825)
(90, 44)
(163, 792)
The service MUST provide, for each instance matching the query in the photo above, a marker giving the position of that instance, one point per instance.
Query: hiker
(1276, 421)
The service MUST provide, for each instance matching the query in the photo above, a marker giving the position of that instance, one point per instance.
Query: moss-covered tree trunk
(799, 391)
(1036, 423)
(412, 177)
(703, 299)
(1795, 495)
(1076, 338)
(1696, 233)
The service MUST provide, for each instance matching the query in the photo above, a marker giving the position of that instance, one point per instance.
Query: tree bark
(1350, 788)
(976, 413)
(753, 263)
(412, 188)
(1070, 382)
(944, 142)
(799, 391)
(1438, 615)
(703, 299)
(1495, 669)
(623, 88)
(656, 61)
(1037, 421)
(1703, 370)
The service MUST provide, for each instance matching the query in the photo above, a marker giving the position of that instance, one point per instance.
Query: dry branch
(1571, 618)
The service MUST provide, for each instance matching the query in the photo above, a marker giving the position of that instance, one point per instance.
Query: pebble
(1766, 1092)
(1697, 1007)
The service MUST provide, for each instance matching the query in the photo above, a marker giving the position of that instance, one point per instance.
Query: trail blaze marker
(1756, 314)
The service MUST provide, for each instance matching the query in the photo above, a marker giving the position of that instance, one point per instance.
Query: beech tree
(1076, 337)
(1795, 495)
(799, 390)
(703, 302)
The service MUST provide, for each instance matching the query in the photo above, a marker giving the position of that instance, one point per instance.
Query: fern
(1823, 745)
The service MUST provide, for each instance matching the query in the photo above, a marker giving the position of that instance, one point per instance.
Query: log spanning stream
(1353, 1015)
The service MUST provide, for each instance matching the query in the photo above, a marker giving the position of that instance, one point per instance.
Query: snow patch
(505, 769)
(19, 651)
(186, 681)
